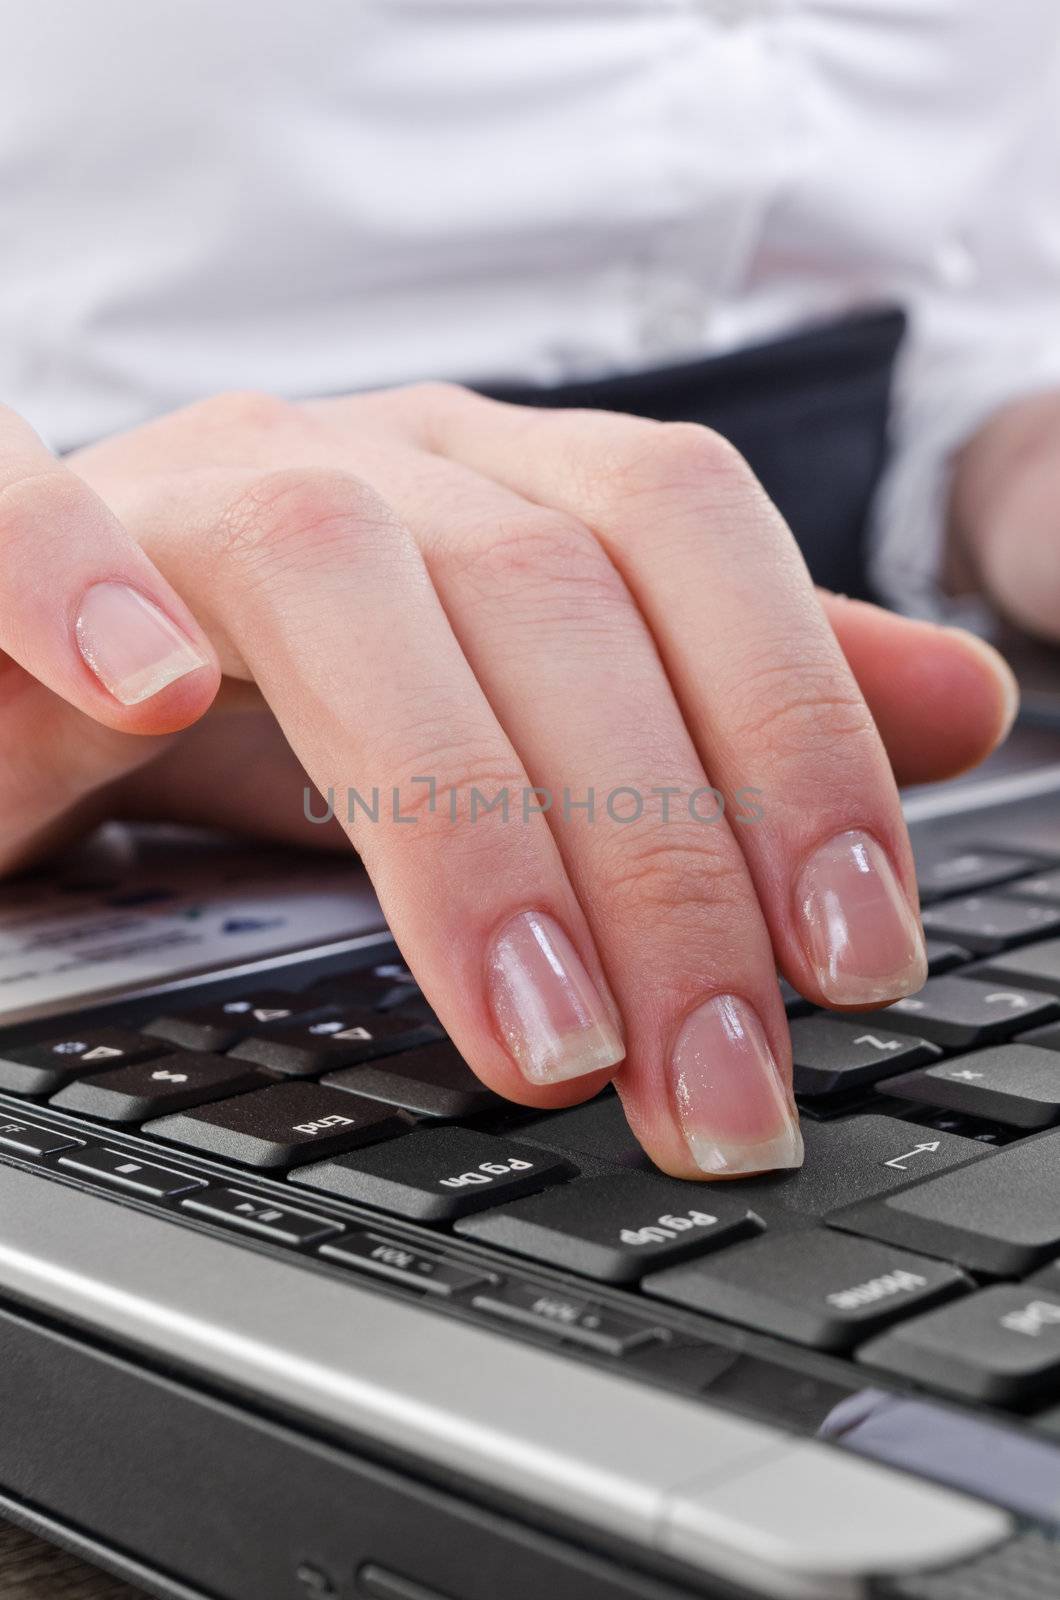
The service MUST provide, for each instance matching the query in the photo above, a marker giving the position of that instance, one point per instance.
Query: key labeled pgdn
(486, 1172)
(438, 1174)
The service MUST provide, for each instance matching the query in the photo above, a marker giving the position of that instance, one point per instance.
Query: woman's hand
(441, 597)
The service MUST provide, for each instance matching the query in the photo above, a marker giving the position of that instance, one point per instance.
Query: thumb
(942, 698)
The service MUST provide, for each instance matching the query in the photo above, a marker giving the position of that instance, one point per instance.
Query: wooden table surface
(32, 1570)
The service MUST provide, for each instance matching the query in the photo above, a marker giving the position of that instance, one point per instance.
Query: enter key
(856, 1158)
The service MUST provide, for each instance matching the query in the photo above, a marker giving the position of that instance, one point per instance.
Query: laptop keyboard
(918, 1246)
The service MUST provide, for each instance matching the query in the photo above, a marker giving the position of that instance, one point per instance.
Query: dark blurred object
(1037, 666)
(809, 412)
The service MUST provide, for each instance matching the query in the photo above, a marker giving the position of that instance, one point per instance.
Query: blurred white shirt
(336, 194)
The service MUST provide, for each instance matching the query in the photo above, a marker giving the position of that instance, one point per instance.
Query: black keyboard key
(986, 923)
(40, 1069)
(404, 994)
(962, 1012)
(1015, 1084)
(411, 1003)
(566, 1316)
(1001, 1346)
(998, 1216)
(216, 1026)
(285, 1124)
(1040, 886)
(1048, 1277)
(417, 1269)
(251, 1214)
(1046, 1038)
(595, 1133)
(615, 1228)
(815, 1288)
(386, 987)
(126, 1171)
(432, 1080)
(267, 1007)
(393, 972)
(436, 1174)
(968, 871)
(832, 1055)
(27, 1139)
(851, 1159)
(1035, 966)
(150, 1088)
(794, 1004)
(331, 1041)
(199, 1029)
(361, 988)
(942, 956)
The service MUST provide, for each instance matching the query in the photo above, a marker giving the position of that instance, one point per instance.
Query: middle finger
(572, 673)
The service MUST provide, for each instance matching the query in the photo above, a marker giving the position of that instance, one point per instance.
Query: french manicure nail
(553, 1020)
(732, 1103)
(858, 929)
(132, 647)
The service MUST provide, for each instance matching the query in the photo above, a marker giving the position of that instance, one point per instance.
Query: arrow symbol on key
(898, 1162)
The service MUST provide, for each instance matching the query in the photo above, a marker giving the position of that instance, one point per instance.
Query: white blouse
(318, 196)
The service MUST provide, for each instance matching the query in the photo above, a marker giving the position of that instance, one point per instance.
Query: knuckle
(803, 716)
(445, 795)
(289, 512)
(244, 411)
(683, 459)
(552, 562)
(433, 403)
(436, 392)
(675, 876)
(692, 451)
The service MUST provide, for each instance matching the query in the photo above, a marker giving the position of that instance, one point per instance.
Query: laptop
(293, 1308)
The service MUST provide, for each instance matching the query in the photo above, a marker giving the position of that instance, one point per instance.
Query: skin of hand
(1005, 512)
(420, 582)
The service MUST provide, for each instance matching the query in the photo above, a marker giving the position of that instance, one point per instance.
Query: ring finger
(758, 673)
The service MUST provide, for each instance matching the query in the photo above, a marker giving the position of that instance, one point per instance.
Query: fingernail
(733, 1105)
(554, 1021)
(132, 647)
(858, 929)
(1008, 688)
